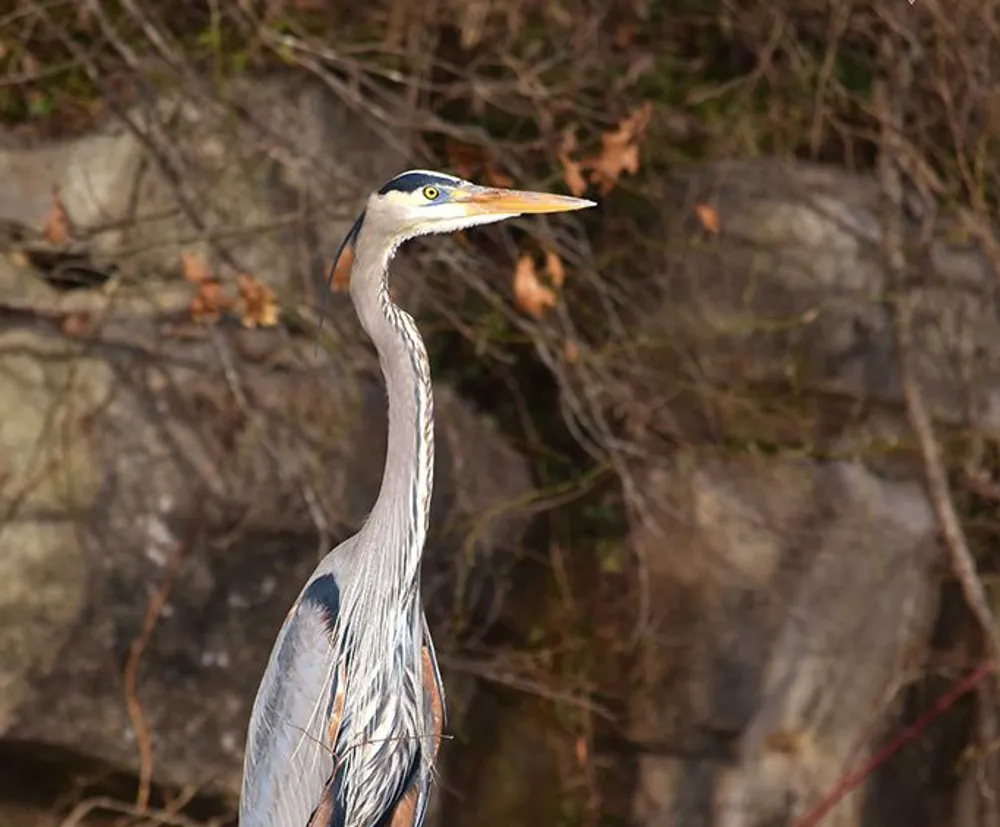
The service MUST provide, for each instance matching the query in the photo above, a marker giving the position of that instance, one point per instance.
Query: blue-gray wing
(288, 766)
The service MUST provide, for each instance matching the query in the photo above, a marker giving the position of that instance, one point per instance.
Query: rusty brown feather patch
(337, 710)
(437, 708)
(324, 811)
(406, 810)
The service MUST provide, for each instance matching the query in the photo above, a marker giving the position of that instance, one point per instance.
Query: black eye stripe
(414, 181)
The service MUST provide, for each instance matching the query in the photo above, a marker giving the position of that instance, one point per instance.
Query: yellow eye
(431, 193)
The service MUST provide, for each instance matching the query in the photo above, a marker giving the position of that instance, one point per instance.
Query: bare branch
(889, 106)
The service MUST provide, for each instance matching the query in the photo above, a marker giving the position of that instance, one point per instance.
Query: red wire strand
(903, 737)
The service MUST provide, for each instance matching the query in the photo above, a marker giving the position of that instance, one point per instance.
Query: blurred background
(717, 513)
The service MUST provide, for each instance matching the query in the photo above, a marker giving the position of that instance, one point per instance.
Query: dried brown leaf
(194, 269)
(554, 268)
(469, 160)
(708, 217)
(573, 176)
(625, 34)
(56, 227)
(260, 309)
(530, 295)
(464, 159)
(619, 150)
(567, 141)
(571, 352)
(77, 325)
(494, 176)
(208, 303)
(576, 183)
(30, 66)
(472, 19)
(85, 16)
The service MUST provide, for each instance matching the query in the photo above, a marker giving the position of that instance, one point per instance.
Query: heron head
(420, 201)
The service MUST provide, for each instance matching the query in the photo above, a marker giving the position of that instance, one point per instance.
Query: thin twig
(888, 103)
(309, 495)
(86, 807)
(492, 671)
(140, 727)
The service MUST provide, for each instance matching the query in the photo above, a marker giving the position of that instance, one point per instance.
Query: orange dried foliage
(531, 294)
(708, 217)
(469, 161)
(571, 352)
(56, 227)
(464, 159)
(260, 309)
(209, 301)
(572, 170)
(77, 325)
(619, 154)
(494, 176)
(554, 268)
(620, 150)
(194, 269)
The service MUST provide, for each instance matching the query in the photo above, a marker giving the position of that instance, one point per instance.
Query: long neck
(401, 513)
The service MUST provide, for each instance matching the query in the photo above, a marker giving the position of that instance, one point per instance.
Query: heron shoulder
(323, 594)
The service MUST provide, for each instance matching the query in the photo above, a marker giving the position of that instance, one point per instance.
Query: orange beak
(515, 202)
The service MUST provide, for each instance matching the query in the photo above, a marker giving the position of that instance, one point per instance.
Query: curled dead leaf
(464, 159)
(494, 176)
(530, 295)
(77, 325)
(208, 303)
(708, 217)
(619, 150)
(554, 268)
(56, 227)
(625, 34)
(468, 161)
(30, 66)
(260, 309)
(576, 183)
(193, 269)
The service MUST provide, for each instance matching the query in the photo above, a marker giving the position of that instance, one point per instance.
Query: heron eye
(431, 193)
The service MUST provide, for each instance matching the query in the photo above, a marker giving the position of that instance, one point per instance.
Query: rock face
(268, 187)
(142, 452)
(791, 552)
(787, 302)
(791, 595)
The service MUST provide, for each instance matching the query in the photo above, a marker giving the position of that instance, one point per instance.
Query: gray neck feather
(399, 519)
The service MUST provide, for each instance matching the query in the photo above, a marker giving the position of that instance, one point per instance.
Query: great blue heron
(347, 721)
